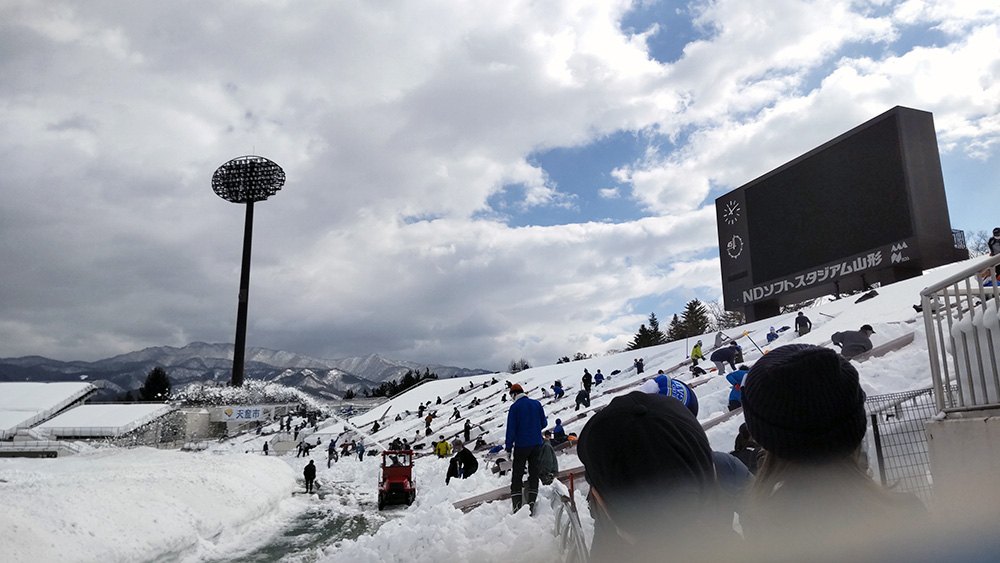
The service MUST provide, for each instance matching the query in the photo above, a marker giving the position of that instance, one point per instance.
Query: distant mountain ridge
(204, 362)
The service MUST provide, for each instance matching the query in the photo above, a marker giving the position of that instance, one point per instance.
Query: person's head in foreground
(804, 405)
(652, 481)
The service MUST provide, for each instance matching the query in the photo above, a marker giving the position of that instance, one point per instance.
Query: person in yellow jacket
(696, 354)
(442, 448)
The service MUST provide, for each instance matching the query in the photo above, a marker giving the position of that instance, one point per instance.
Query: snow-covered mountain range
(204, 362)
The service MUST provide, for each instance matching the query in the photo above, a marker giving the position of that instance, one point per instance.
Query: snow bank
(131, 505)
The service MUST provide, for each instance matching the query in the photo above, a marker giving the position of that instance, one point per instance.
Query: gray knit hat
(804, 402)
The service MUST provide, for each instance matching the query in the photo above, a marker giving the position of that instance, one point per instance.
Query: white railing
(962, 322)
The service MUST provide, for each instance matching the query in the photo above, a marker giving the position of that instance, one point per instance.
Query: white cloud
(396, 124)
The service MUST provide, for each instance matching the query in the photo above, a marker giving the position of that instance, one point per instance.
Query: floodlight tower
(246, 179)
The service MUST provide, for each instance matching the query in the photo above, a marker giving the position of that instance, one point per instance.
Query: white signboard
(242, 413)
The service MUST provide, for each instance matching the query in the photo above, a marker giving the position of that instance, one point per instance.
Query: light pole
(246, 179)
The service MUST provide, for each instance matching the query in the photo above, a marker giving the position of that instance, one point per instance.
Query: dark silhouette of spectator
(266, 449)
(664, 502)
(309, 472)
(994, 245)
(587, 380)
(467, 431)
(854, 342)
(582, 398)
(802, 324)
(462, 464)
(804, 405)
(549, 464)
(525, 421)
(725, 355)
(746, 449)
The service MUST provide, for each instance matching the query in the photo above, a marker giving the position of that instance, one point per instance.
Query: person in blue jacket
(558, 433)
(663, 384)
(772, 335)
(736, 380)
(525, 421)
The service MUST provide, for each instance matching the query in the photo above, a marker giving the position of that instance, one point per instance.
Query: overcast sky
(468, 182)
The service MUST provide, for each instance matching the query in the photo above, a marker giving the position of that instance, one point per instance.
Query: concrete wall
(965, 462)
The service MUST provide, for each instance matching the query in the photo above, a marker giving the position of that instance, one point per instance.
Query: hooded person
(558, 433)
(804, 406)
(697, 354)
(653, 490)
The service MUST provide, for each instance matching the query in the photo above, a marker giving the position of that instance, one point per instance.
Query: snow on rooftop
(104, 420)
(23, 404)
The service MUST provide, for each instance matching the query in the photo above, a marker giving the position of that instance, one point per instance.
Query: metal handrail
(964, 362)
(568, 529)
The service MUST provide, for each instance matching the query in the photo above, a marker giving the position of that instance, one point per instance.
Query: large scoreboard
(866, 207)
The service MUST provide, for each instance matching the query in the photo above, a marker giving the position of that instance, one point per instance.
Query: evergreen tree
(563, 360)
(518, 365)
(694, 319)
(656, 336)
(349, 395)
(156, 387)
(646, 337)
(674, 331)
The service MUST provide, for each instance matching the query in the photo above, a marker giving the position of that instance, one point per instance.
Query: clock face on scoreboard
(731, 212)
(734, 247)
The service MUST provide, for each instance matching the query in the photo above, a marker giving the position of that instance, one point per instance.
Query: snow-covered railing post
(962, 324)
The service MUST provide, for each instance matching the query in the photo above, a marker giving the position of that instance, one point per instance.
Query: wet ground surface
(339, 513)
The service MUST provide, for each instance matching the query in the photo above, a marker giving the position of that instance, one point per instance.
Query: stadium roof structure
(100, 421)
(25, 404)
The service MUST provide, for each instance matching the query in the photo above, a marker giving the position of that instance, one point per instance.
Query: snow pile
(253, 392)
(132, 505)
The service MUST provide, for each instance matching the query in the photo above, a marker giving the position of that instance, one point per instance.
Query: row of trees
(393, 387)
(697, 319)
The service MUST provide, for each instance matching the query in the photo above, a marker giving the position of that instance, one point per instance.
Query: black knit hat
(804, 402)
(642, 448)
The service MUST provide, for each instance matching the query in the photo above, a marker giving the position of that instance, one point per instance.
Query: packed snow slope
(232, 502)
